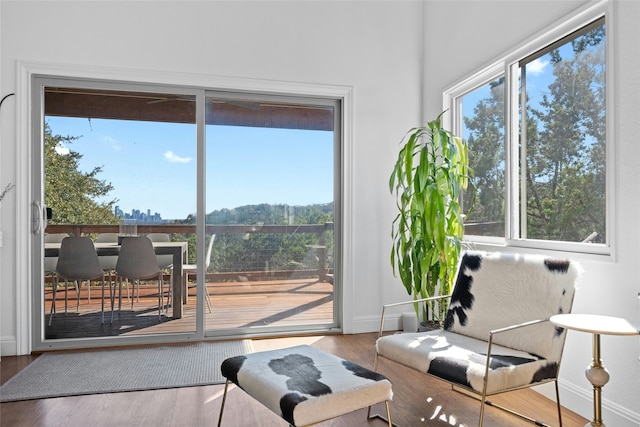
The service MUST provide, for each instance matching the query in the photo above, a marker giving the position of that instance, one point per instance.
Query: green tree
(262, 252)
(71, 193)
(565, 147)
(566, 154)
(486, 156)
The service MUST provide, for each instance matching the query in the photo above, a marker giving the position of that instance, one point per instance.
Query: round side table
(596, 373)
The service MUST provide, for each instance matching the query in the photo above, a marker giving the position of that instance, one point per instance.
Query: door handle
(38, 220)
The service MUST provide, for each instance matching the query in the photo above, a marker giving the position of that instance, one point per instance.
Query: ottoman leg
(224, 398)
(387, 419)
(386, 404)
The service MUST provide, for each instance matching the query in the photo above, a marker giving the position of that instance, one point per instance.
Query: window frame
(508, 66)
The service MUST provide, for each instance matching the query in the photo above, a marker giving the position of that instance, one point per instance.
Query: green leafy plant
(429, 176)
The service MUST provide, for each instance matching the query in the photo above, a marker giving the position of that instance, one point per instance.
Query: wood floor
(418, 400)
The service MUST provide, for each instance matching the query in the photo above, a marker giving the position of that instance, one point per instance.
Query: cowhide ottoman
(305, 385)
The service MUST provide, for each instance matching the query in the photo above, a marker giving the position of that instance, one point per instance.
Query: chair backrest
(137, 258)
(107, 238)
(495, 290)
(78, 260)
(50, 263)
(164, 261)
(209, 248)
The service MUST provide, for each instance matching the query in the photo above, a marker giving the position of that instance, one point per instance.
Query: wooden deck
(237, 304)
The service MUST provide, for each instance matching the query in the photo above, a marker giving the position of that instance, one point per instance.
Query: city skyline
(139, 215)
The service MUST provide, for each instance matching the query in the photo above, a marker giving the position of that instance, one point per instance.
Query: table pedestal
(596, 373)
(598, 376)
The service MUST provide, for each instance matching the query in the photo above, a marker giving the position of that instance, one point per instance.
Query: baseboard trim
(579, 399)
(8, 346)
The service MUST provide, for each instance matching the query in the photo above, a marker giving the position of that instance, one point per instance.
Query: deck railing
(320, 230)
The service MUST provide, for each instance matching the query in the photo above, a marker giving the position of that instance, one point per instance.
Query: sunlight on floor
(276, 343)
(439, 415)
(219, 394)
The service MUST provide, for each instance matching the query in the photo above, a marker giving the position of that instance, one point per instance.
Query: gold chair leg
(558, 403)
(224, 398)
(482, 403)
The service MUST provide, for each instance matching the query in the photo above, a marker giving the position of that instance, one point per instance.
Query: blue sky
(153, 165)
(538, 76)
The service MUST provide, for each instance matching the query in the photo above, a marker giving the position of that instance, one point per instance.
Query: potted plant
(428, 178)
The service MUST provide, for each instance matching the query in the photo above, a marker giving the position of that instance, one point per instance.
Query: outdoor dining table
(177, 249)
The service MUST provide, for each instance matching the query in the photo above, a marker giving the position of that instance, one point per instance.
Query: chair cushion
(461, 360)
(305, 385)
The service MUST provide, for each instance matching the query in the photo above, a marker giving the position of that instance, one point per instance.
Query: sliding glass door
(239, 192)
(271, 203)
(111, 157)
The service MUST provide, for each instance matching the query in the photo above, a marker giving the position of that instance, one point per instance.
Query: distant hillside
(279, 214)
(262, 251)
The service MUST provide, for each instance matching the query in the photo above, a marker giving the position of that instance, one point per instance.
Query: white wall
(467, 35)
(373, 47)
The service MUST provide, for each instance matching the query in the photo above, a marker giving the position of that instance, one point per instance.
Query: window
(483, 129)
(535, 123)
(563, 139)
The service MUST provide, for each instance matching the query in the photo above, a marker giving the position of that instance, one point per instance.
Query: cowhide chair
(496, 335)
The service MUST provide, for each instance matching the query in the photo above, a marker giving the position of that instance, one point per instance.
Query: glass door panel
(270, 201)
(113, 156)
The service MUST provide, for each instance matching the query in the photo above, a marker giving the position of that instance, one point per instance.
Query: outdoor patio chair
(137, 261)
(193, 268)
(51, 262)
(77, 261)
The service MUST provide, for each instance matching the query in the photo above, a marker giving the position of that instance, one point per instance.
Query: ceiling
(159, 107)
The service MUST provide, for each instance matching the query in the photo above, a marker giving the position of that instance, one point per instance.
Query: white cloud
(537, 66)
(111, 141)
(173, 158)
(62, 150)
